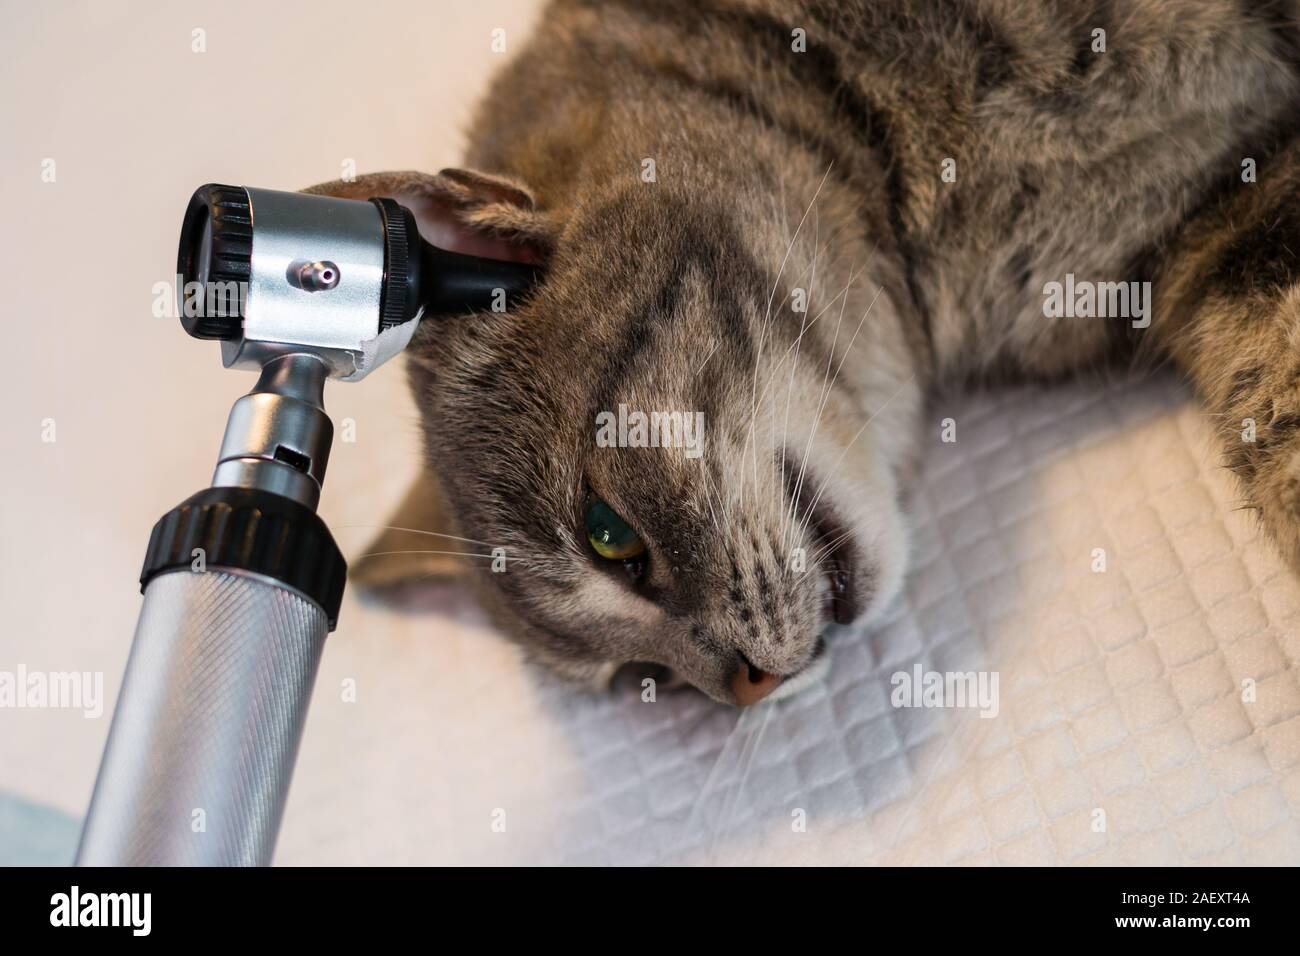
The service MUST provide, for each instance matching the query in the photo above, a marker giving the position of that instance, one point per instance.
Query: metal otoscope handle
(243, 581)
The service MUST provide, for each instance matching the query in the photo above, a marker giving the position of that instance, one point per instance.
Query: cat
(800, 219)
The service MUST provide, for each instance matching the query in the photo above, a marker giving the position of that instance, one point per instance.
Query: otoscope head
(272, 273)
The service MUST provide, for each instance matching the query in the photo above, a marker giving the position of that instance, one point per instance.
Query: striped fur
(779, 170)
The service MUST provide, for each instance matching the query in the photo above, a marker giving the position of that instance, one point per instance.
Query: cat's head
(645, 460)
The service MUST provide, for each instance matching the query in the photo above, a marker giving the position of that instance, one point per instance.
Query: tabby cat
(799, 219)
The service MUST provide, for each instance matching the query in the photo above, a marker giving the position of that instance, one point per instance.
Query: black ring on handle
(248, 529)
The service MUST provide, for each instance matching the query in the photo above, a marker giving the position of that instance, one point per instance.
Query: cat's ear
(418, 546)
(462, 210)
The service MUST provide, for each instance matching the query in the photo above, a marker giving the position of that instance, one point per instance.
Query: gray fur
(821, 170)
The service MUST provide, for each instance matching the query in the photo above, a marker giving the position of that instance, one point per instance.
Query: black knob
(399, 298)
(215, 261)
(249, 529)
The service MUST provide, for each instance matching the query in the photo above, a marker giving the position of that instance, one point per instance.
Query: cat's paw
(1263, 446)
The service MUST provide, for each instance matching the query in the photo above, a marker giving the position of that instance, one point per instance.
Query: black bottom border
(931, 905)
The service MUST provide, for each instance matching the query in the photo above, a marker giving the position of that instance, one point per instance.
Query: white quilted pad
(1122, 735)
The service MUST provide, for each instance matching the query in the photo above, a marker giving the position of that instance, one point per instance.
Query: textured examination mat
(1123, 735)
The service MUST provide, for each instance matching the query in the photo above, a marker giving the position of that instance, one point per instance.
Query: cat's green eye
(610, 535)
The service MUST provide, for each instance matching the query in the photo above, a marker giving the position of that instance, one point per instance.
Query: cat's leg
(1227, 308)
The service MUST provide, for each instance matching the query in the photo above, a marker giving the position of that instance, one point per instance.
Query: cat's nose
(750, 684)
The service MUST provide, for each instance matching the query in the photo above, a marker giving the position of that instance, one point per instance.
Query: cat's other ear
(418, 546)
(462, 210)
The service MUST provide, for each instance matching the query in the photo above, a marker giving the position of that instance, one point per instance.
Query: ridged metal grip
(207, 725)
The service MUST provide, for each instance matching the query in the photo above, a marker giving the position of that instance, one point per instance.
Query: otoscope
(242, 581)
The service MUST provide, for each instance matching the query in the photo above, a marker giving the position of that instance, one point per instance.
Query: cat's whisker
(854, 276)
(472, 567)
(771, 297)
(764, 392)
(810, 322)
(826, 385)
(777, 479)
(459, 554)
(785, 218)
(790, 385)
(792, 354)
(812, 559)
(854, 273)
(826, 397)
(748, 757)
(779, 482)
(777, 282)
(435, 534)
(830, 545)
(713, 514)
(849, 444)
